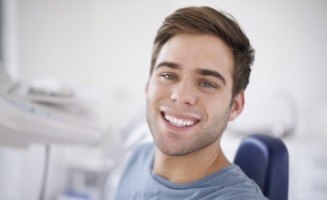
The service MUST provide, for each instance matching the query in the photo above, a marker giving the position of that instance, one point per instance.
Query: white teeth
(178, 122)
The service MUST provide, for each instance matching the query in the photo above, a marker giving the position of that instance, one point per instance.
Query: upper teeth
(178, 122)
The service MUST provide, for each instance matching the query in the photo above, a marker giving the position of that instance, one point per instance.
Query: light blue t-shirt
(139, 182)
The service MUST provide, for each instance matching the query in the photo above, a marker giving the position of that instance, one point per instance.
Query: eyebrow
(203, 72)
(169, 65)
(207, 72)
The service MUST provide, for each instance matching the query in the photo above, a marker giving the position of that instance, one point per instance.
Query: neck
(191, 167)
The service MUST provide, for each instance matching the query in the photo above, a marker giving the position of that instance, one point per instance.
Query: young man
(200, 68)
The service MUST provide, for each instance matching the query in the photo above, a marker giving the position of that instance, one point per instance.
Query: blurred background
(73, 74)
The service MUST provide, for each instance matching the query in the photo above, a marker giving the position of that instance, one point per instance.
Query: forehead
(198, 51)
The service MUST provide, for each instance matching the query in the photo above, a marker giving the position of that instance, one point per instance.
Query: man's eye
(207, 84)
(168, 76)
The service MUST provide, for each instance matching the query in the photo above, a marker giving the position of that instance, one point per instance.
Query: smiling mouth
(179, 122)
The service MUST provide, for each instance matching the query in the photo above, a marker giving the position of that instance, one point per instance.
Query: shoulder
(136, 171)
(139, 157)
(231, 183)
(142, 151)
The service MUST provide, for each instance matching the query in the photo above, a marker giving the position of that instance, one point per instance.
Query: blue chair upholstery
(265, 160)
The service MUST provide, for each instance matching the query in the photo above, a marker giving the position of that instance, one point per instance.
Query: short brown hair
(206, 20)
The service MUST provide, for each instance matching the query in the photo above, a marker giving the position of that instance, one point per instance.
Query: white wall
(9, 43)
(108, 44)
(21, 170)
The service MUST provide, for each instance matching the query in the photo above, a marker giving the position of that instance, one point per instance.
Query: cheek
(216, 104)
(151, 93)
(156, 91)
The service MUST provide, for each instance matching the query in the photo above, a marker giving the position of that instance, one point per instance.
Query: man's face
(189, 94)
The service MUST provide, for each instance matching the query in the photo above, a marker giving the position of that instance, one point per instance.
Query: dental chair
(265, 160)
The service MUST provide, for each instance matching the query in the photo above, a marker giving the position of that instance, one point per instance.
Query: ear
(237, 106)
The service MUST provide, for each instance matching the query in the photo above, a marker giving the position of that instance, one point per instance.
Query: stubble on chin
(174, 145)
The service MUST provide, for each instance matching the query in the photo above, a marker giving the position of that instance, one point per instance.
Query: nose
(184, 93)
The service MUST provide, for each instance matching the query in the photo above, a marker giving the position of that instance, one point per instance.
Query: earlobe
(237, 106)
